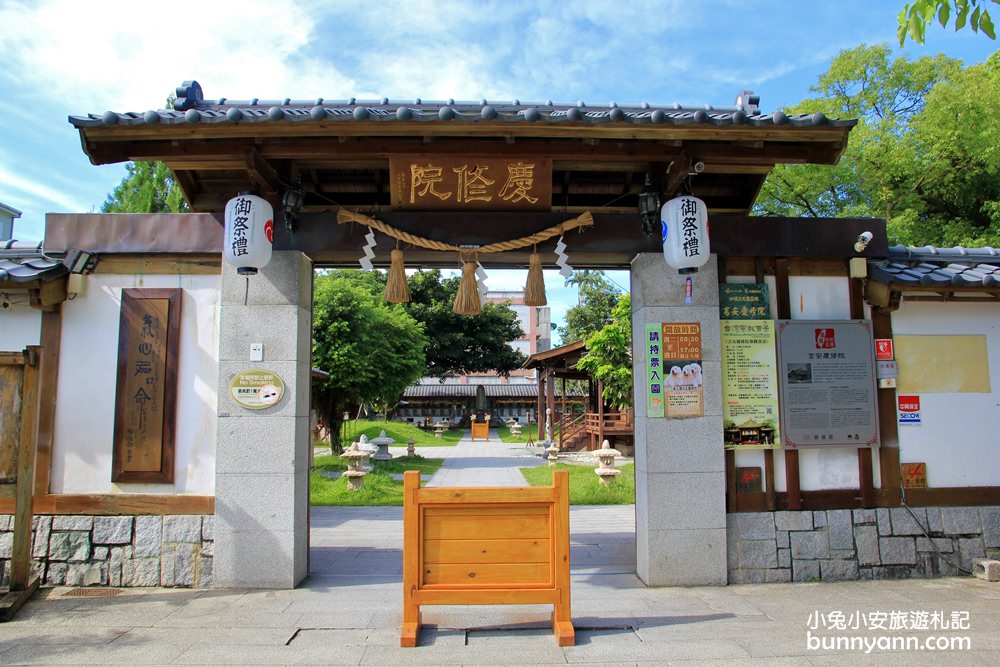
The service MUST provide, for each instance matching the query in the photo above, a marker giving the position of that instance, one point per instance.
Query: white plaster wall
(84, 426)
(957, 438)
(20, 324)
(819, 298)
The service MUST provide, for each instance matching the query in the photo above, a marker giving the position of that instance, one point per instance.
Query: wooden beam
(194, 264)
(832, 137)
(98, 504)
(951, 497)
(262, 173)
(612, 242)
(49, 294)
(679, 170)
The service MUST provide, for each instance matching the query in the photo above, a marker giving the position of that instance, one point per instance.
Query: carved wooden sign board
(147, 384)
(471, 183)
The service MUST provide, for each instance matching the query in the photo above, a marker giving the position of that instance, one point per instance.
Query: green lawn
(584, 486)
(379, 487)
(401, 432)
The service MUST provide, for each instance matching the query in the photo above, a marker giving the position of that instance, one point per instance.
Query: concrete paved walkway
(348, 611)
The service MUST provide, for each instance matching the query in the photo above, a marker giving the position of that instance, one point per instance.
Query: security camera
(864, 238)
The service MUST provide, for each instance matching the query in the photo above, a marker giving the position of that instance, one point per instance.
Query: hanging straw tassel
(534, 290)
(467, 299)
(396, 289)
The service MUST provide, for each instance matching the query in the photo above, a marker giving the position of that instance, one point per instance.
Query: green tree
(460, 344)
(149, 187)
(609, 355)
(923, 154)
(597, 298)
(372, 350)
(955, 183)
(914, 18)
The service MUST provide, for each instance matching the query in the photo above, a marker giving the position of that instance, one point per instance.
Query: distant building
(7, 215)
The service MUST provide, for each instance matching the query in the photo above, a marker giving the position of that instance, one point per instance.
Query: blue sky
(64, 57)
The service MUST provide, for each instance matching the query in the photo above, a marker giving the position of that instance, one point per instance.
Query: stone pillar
(262, 456)
(680, 473)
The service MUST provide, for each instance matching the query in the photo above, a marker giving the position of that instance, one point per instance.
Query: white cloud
(123, 59)
(14, 186)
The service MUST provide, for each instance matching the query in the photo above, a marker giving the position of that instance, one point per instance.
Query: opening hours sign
(674, 370)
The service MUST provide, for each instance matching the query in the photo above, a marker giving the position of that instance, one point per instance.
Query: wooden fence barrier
(480, 430)
(19, 404)
(486, 545)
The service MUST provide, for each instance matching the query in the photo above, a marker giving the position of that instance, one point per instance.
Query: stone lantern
(357, 466)
(606, 470)
(382, 442)
(553, 452)
(410, 450)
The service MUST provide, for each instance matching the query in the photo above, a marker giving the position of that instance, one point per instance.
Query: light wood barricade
(486, 545)
(480, 430)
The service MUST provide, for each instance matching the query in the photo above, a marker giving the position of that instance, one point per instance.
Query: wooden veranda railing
(601, 425)
(571, 429)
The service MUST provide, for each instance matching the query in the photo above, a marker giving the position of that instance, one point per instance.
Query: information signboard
(827, 376)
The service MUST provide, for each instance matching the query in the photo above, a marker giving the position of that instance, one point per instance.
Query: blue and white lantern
(249, 233)
(685, 233)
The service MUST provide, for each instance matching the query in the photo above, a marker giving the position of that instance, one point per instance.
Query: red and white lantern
(249, 233)
(685, 233)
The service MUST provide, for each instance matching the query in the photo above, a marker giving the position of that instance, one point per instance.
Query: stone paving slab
(349, 609)
(351, 620)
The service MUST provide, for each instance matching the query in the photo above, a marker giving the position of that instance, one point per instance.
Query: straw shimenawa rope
(585, 219)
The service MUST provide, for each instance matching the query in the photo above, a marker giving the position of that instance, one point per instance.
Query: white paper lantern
(685, 233)
(249, 233)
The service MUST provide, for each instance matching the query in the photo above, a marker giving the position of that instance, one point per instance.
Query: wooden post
(865, 471)
(540, 413)
(22, 585)
(562, 621)
(411, 559)
(21, 558)
(759, 271)
(888, 453)
(732, 502)
(794, 493)
(600, 413)
(550, 398)
(563, 415)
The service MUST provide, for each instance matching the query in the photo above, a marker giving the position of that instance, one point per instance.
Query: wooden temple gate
(445, 181)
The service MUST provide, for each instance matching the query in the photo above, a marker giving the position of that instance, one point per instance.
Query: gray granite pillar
(262, 456)
(680, 473)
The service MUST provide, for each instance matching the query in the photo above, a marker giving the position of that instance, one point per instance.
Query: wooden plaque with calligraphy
(148, 342)
(474, 183)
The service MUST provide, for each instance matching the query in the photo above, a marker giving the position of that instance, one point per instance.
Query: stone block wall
(173, 550)
(836, 545)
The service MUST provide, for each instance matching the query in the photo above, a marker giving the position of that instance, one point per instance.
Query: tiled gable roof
(191, 107)
(930, 266)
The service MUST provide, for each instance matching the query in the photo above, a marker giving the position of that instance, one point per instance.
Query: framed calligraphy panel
(475, 183)
(146, 399)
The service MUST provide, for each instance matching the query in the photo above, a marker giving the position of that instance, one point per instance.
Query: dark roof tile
(930, 266)
(192, 108)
